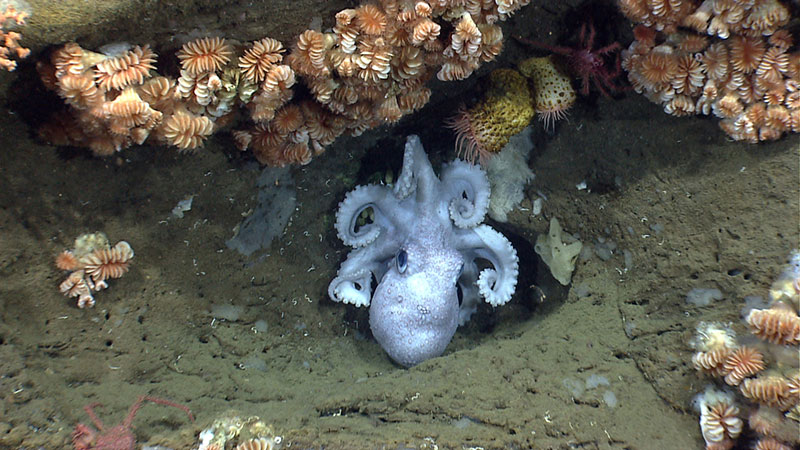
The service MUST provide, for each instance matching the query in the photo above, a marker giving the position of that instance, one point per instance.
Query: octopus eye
(402, 261)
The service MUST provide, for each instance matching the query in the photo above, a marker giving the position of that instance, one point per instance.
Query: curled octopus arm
(467, 190)
(380, 199)
(353, 281)
(496, 284)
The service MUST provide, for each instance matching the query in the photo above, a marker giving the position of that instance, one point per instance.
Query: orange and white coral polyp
(287, 119)
(712, 362)
(370, 19)
(779, 324)
(719, 418)
(109, 263)
(742, 363)
(66, 260)
(76, 286)
(9, 40)
(205, 55)
(130, 68)
(186, 131)
(771, 390)
(259, 58)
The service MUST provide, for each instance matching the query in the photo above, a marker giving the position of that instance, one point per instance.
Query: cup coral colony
(369, 69)
(764, 370)
(729, 58)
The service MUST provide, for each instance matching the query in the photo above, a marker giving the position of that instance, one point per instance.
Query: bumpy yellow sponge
(505, 110)
(553, 92)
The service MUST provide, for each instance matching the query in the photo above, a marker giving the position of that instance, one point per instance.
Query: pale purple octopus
(420, 247)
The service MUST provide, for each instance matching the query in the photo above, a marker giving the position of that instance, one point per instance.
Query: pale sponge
(508, 173)
(559, 251)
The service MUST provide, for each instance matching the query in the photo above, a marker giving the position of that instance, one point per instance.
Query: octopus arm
(353, 282)
(354, 203)
(416, 174)
(354, 288)
(470, 295)
(496, 284)
(467, 187)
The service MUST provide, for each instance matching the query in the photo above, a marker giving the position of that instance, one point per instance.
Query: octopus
(426, 242)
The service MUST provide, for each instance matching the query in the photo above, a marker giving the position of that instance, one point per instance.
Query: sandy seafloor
(694, 210)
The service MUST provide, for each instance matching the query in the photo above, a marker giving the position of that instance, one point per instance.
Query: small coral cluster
(230, 431)
(91, 262)
(732, 58)
(116, 101)
(9, 40)
(370, 69)
(764, 370)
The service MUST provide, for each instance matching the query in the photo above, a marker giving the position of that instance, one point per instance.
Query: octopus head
(414, 312)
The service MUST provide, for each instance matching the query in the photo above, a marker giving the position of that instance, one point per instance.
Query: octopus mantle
(422, 245)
